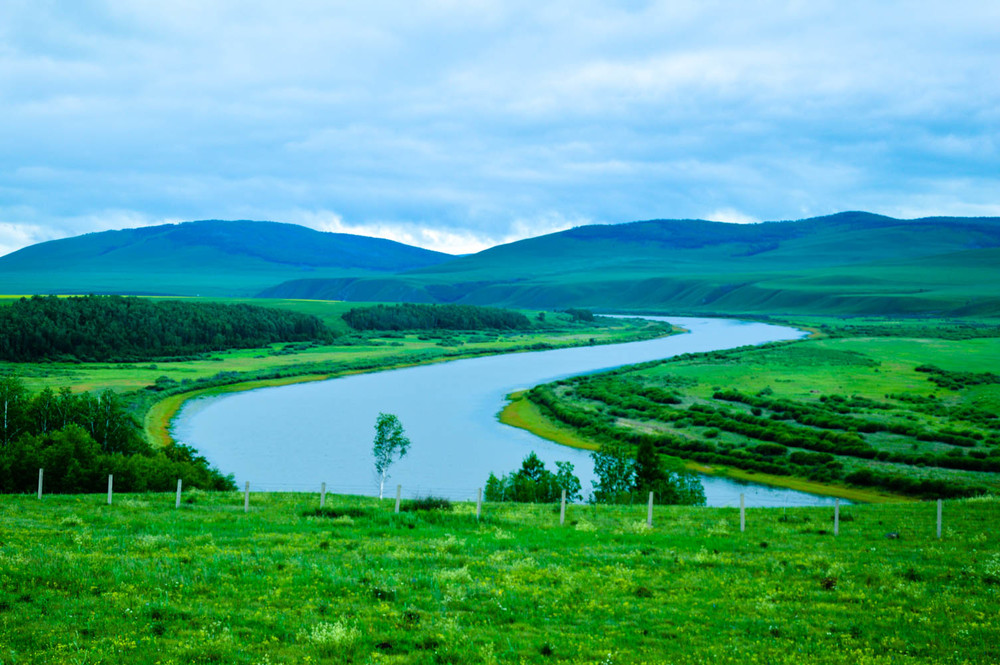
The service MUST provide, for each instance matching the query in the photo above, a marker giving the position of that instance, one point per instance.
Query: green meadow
(140, 582)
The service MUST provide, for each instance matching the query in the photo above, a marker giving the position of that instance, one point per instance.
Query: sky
(460, 124)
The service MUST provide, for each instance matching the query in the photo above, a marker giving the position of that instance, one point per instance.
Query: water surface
(295, 437)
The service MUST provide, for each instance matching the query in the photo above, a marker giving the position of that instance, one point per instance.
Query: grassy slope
(141, 583)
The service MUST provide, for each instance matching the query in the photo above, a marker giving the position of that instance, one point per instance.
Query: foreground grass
(140, 582)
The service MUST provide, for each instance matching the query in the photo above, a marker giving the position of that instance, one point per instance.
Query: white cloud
(15, 236)
(449, 124)
(441, 239)
(731, 216)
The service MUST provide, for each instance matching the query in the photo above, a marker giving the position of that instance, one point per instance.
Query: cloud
(449, 124)
(16, 236)
(731, 216)
(439, 239)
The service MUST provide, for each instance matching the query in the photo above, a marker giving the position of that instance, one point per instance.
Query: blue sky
(457, 125)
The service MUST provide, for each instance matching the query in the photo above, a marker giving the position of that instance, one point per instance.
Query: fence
(479, 503)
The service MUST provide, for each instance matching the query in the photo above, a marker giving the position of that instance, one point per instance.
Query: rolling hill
(208, 257)
(849, 263)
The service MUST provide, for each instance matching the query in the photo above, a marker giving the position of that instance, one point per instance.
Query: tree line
(116, 328)
(79, 439)
(410, 316)
(625, 475)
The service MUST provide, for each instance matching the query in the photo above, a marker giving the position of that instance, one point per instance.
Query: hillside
(209, 257)
(849, 263)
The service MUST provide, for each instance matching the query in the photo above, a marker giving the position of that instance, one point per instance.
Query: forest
(79, 439)
(409, 316)
(127, 329)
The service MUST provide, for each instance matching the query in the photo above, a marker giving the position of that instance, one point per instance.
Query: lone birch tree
(390, 445)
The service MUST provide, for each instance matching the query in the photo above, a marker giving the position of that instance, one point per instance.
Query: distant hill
(209, 257)
(848, 263)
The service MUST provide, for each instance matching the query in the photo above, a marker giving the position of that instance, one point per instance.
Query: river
(292, 438)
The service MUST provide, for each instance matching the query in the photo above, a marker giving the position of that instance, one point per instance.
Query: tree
(615, 472)
(533, 483)
(565, 480)
(13, 398)
(390, 445)
(671, 484)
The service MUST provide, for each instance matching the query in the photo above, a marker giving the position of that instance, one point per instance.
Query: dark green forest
(408, 316)
(80, 439)
(119, 329)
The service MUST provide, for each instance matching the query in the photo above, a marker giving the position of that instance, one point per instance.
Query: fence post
(40, 473)
(479, 503)
(939, 519)
(649, 511)
(246, 498)
(399, 495)
(322, 495)
(743, 515)
(836, 517)
(177, 503)
(562, 509)
(111, 480)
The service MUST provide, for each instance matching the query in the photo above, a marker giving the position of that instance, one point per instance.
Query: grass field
(139, 582)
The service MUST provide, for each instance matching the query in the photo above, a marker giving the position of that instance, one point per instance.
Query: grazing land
(905, 407)
(139, 582)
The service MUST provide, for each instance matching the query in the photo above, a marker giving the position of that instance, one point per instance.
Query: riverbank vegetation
(81, 439)
(869, 406)
(141, 582)
(153, 391)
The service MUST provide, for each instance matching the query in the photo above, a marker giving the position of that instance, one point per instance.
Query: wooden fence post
(40, 473)
(562, 509)
(246, 498)
(479, 503)
(743, 515)
(836, 517)
(322, 495)
(939, 519)
(649, 511)
(177, 503)
(399, 495)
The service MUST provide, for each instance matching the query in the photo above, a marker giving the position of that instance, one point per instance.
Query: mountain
(209, 257)
(849, 263)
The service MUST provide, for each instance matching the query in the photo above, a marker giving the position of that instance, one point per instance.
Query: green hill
(849, 263)
(209, 257)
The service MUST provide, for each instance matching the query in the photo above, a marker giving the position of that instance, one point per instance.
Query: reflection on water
(295, 437)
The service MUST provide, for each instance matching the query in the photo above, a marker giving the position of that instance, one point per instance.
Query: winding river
(292, 438)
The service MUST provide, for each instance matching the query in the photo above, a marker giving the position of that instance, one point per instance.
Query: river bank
(520, 412)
